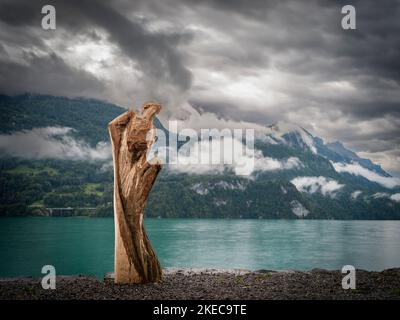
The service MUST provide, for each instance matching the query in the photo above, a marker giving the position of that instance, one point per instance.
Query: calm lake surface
(83, 245)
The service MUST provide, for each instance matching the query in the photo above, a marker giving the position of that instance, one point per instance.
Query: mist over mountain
(55, 153)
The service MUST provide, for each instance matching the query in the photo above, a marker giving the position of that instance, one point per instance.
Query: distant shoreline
(196, 218)
(199, 283)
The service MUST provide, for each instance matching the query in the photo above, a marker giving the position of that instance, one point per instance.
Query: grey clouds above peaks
(246, 61)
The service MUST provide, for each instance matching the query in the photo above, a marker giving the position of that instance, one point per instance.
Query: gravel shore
(215, 284)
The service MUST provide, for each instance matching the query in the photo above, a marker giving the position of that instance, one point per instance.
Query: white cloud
(395, 197)
(354, 195)
(227, 153)
(189, 117)
(380, 195)
(317, 184)
(269, 164)
(51, 143)
(356, 169)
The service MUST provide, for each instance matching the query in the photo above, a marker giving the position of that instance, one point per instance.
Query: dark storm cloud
(254, 61)
(60, 78)
(3, 51)
(230, 111)
(155, 53)
(20, 13)
(305, 39)
(311, 30)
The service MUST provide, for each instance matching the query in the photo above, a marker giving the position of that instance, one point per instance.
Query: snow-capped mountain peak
(292, 135)
(295, 136)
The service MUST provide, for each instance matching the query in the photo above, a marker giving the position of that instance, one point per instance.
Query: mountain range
(56, 160)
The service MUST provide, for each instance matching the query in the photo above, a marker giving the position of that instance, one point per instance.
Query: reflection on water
(85, 245)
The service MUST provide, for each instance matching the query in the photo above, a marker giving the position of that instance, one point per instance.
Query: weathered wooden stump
(132, 136)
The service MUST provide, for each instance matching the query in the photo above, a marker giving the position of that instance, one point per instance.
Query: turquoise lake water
(81, 245)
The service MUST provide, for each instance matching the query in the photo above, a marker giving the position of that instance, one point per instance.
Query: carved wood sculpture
(132, 136)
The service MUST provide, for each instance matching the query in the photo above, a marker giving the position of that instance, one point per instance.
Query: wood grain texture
(132, 136)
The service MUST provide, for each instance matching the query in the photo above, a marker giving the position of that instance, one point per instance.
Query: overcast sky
(238, 61)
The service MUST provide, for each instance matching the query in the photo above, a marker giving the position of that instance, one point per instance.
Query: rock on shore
(215, 284)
